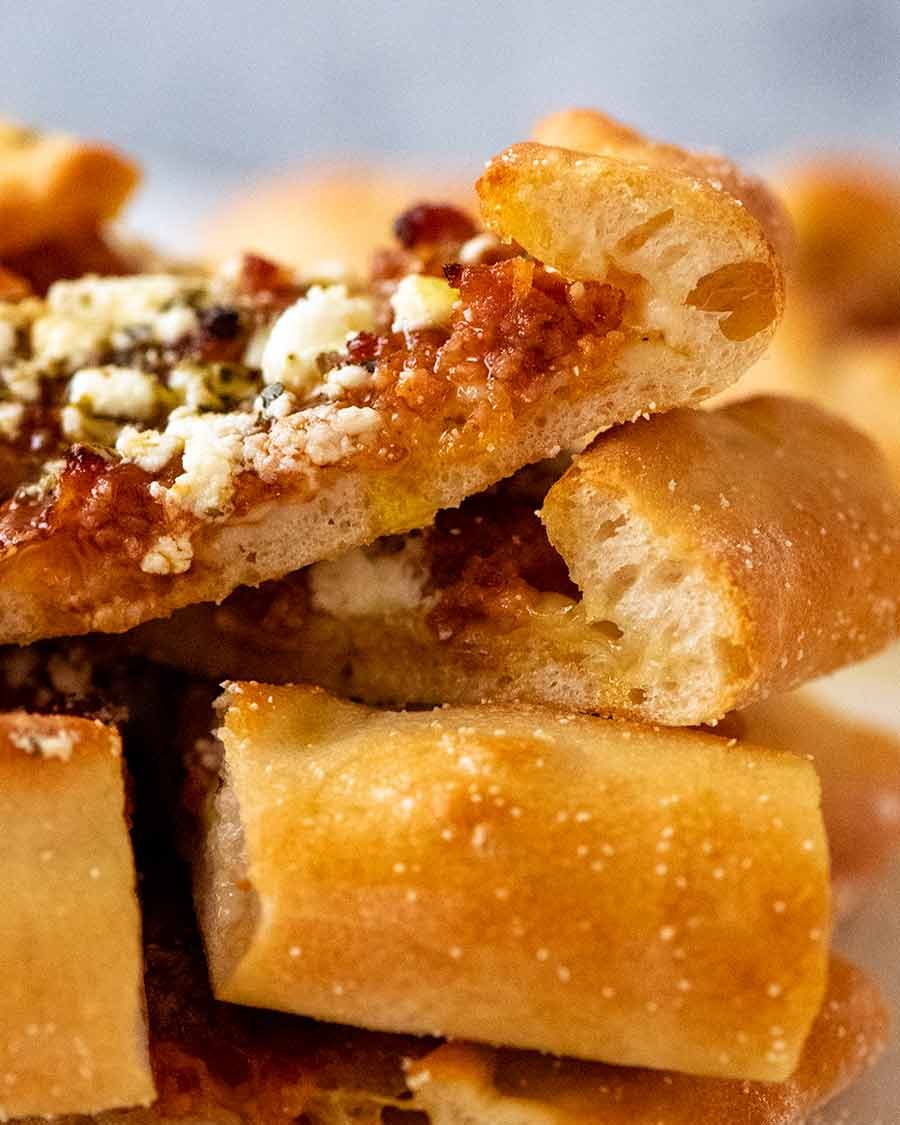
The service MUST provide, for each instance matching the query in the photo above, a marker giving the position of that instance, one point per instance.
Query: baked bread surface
(72, 1031)
(518, 875)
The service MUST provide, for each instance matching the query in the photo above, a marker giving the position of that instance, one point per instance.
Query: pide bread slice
(757, 546)
(517, 876)
(53, 186)
(204, 433)
(72, 1028)
(696, 562)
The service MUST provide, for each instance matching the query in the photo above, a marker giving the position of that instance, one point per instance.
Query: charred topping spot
(362, 348)
(430, 223)
(258, 277)
(221, 323)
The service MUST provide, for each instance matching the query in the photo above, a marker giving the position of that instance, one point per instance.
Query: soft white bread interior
(698, 297)
(517, 876)
(590, 130)
(721, 556)
(72, 1030)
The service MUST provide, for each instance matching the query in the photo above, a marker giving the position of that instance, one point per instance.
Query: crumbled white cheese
(422, 302)
(191, 386)
(477, 247)
(349, 377)
(120, 300)
(72, 423)
(150, 450)
(368, 582)
(83, 316)
(322, 321)
(175, 323)
(328, 437)
(23, 382)
(256, 346)
(66, 341)
(59, 745)
(211, 459)
(355, 420)
(114, 392)
(11, 415)
(170, 554)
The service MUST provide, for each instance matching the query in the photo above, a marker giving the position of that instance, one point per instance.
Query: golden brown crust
(221, 1064)
(519, 876)
(480, 1085)
(54, 186)
(589, 130)
(72, 1036)
(568, 209)
(808, 557)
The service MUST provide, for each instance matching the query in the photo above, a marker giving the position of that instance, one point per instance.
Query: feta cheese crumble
(328, 436)
(422, 302)
(83, 316)
(150, 450)
(366, 583)
(350, 377)
(114, 392)
(211, 458)
(59, 745)
(170, 554)
(322, 321)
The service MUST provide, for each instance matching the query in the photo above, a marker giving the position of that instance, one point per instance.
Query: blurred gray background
(222, 88)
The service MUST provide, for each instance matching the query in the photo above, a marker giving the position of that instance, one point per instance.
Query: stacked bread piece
(483, 574)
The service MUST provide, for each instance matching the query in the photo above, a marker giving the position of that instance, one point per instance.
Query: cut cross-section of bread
(517, 876)
(696, 562)
(591, 131)
(750, 548)
(168, 437)
(72, 1031)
